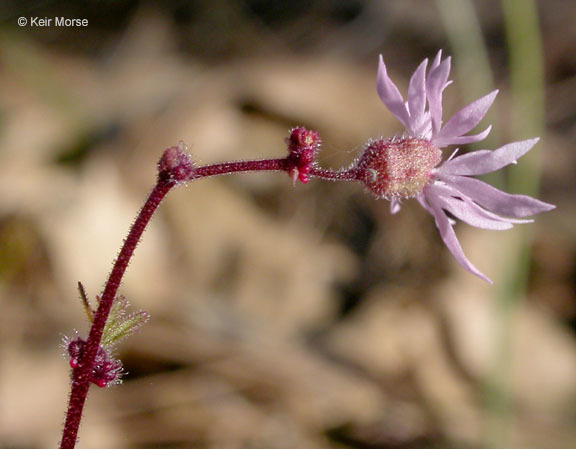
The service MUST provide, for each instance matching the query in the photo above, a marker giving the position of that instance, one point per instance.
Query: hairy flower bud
(74, 348)
(397, 167)
(302, 147)
(107, 370)
(175, 165)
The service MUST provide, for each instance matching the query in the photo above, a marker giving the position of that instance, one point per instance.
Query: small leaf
(128, 326)
(122, 324)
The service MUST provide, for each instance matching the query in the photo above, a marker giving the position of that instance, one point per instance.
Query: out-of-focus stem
(527, 120)
(472, 64)
(527, 88)
(465, 35)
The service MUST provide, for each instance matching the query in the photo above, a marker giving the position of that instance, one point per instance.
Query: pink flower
(407, 166)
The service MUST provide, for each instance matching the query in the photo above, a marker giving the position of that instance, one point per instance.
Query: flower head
(408, 167)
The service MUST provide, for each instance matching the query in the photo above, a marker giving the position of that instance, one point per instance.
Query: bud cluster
(303, 145)
(107, 370)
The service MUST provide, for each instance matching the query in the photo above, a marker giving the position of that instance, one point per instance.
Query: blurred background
(282, 317)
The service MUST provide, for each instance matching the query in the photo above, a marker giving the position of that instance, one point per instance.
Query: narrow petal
(424, 203)
(417, 95)
(422, 199)
(451, 241)
(490, 215)
(463, 208)
(462, 140)
(395, 206)
(423, 126)
(436, 61)
(466, 118)
(486, 161)
(390, 95)
(502, 203)
(436, 82)
(470, 213)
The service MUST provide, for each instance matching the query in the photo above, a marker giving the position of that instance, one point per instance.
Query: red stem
(169, 177)
(81, 375)
(331, 175)
(226, 168)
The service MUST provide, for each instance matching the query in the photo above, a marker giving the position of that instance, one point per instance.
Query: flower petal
(395, 206)
(465, 210)
(451, 241)
(488, 213)
(486, 161)
(390, 95)
(462, 140)
(495, 200)
(465, 119)
(436, 82)
(436, 61)
(417, 95)
(422, 127)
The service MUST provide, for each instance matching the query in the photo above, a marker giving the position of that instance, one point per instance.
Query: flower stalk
(81, 376)
(395, 169)
(175, 167)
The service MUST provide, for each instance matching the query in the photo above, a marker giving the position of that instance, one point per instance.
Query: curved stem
(173, 169)
(81, 376)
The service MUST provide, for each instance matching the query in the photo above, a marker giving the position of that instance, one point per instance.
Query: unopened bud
(107, 370)
(175, 165)
(303, 145)
(74, 348)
